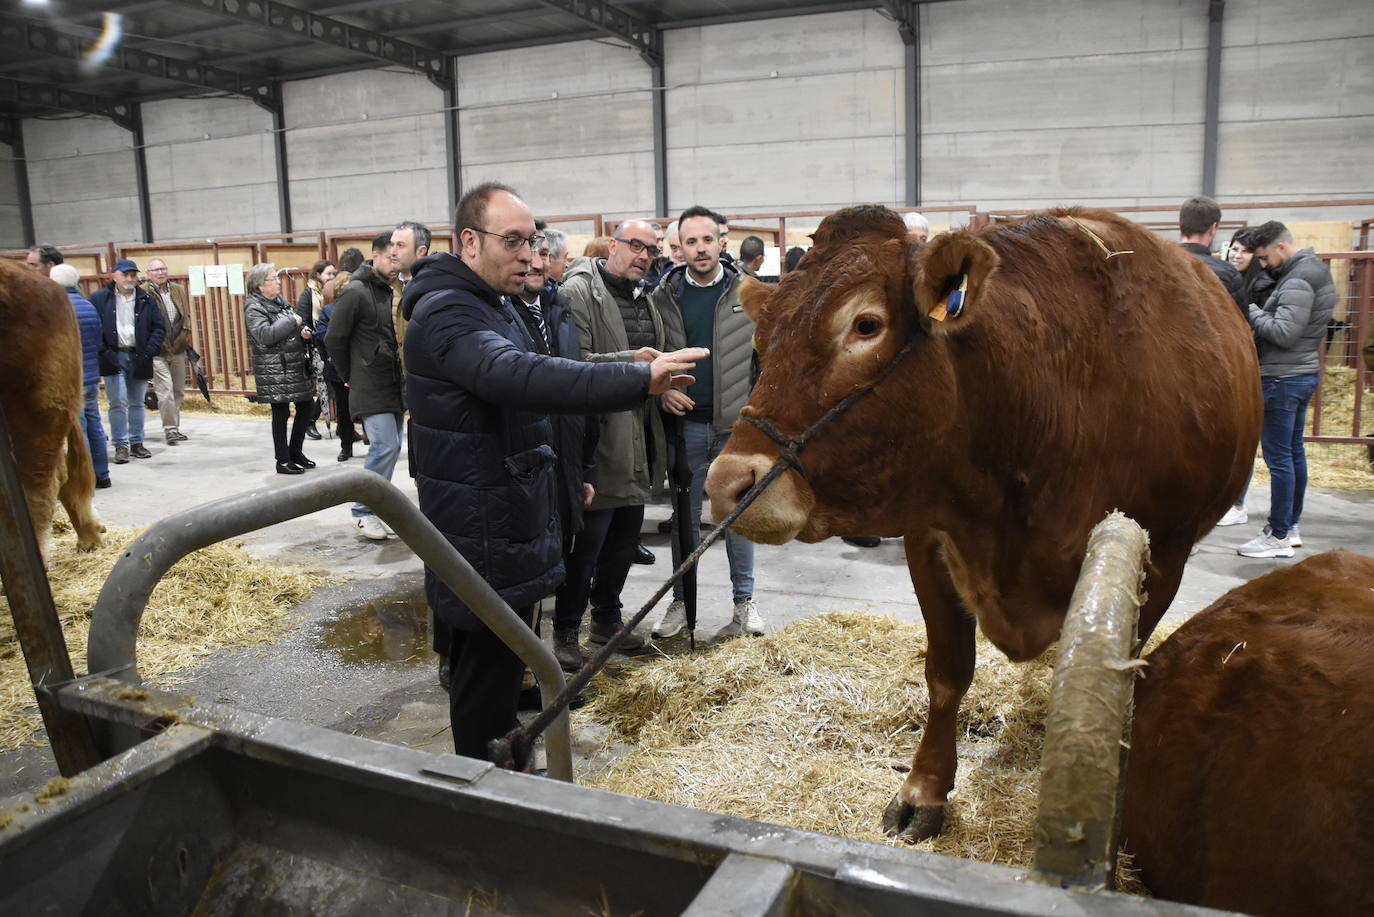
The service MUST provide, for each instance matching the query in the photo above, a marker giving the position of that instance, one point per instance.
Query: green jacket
(629, 468)
(732, 342)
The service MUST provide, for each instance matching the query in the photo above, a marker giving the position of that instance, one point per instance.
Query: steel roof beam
(294, 22)
(607, 19)
(14, 94)
(143, 63)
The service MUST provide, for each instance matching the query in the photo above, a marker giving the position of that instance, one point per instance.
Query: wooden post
(1084, 757)
(35, 618)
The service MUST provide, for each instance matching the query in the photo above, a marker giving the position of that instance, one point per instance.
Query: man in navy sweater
(699, 303)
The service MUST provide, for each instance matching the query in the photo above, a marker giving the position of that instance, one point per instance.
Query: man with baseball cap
(131, 335)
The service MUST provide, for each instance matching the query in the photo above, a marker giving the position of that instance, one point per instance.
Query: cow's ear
(953, 271)
(753, 296)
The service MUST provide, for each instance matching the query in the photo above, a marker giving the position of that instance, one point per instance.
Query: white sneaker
(1266, 545)
(1235, 516)
(370, 527)
(748, 618)
(1294, 539)
(672, 622)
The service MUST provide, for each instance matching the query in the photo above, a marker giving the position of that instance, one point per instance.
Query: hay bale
(219, 597)
(813, 727)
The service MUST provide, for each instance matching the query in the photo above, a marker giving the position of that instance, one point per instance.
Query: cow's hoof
(912, 823)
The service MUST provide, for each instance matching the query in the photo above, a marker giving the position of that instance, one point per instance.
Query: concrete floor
(357, 658)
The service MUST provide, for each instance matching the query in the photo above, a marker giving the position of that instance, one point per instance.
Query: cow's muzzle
(777, 515)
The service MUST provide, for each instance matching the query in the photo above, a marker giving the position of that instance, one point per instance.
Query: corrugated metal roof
(71, 56)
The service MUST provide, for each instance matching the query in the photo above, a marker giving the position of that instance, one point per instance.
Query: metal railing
(119, 608)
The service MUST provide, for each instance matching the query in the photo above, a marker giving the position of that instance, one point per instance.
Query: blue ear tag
(955, 302)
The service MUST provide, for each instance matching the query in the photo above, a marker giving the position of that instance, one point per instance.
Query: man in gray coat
(699, 302)
(1288, 331)
(362, 345)
(615, 323)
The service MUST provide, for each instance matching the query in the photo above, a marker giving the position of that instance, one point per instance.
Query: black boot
(311, 432)
(302, 461)
(346, 453)
(567, 650)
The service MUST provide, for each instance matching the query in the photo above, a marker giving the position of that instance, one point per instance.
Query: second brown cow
(1074, 381)
(1251, 777)
(40, 387)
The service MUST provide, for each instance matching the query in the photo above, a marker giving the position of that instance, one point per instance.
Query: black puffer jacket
(481, 444)
(575, 436)
(362, 345)
(1224, 270)
(279, 367)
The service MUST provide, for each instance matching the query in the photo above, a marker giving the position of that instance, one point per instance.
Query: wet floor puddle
(386, 629)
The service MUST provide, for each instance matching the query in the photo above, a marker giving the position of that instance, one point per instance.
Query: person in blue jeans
(1289, 329)
(699, 302)
(88, 321)
(363, 348)
(131, 335)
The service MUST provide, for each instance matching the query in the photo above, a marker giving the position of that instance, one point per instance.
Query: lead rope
(512, 751)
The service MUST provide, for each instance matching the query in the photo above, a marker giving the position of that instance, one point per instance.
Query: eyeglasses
(639, 247)
(157, 270)
(513, 242)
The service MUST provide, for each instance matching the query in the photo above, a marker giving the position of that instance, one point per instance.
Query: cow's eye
(866, 326)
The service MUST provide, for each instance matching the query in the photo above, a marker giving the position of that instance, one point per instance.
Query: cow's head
(862, 293)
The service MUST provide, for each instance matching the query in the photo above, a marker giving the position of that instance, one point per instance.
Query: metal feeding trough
(202, 808)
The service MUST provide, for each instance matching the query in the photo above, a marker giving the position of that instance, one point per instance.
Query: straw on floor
(814, 726)
(219, 597)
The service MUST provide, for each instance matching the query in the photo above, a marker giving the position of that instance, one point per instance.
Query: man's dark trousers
(485, 690)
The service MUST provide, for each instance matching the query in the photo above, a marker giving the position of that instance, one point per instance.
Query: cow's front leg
(917, 811)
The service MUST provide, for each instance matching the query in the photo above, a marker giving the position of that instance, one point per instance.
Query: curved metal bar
(119, 608)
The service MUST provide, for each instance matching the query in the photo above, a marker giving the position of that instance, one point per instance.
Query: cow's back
(1109, 381)
(42, 355)
(1251, 777)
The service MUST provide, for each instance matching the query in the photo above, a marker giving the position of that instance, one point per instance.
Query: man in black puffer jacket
(132, 336)
(481, 445)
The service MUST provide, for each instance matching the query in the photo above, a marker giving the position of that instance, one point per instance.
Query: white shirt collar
(720, 272)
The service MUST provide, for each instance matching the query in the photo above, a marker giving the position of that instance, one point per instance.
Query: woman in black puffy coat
(280, 368)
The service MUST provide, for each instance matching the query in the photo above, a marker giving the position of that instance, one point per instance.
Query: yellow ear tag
(954, 303)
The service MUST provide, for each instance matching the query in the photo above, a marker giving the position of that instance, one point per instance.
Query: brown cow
(1251, 777)
(1071, 384)
(41, 390)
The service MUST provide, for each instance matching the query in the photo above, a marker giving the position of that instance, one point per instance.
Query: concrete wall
(81, 180)
(211, 168)
(11, 223)
(1103, 100)
(1297, 100)
(365, 150)
(806, 111)
(570, 126)
(1022, 105)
